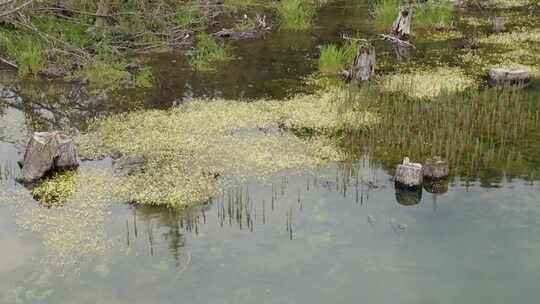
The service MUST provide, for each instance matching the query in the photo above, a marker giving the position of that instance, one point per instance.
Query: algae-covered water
(339, 233)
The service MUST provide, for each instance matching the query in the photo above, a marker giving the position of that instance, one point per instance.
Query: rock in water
(519, 77)
(47, 152)
(435, 168)
(409, 174)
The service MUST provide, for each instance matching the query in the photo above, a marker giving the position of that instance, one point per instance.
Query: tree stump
(435, 168)
(517, 77)
(499, 25)
(47, 152)
(402, 26)
(409, 174)
(363, 65)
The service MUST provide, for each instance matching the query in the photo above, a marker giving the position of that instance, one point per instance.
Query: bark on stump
(499, 25)
(409, 174)
(518, 77)
(363, 65)
(402, 25)
(47, 152)
(436, 168)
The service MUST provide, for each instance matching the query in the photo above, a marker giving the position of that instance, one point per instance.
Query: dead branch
(18, 8)
(11, 64)
(396, 40)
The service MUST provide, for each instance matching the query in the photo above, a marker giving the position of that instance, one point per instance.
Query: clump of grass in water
(26, 51)
(208, 52)
(490, 128)
(191, 16)
(425, 16)
(296, 14)
(333, 59)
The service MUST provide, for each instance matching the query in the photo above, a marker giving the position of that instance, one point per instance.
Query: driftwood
(363, 65)
(517, 77)
(409, 174)
(397, 41)
(435, 168)
(47, 152)
(402, 26)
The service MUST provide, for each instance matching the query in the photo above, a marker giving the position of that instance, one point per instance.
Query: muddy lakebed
(315, 232)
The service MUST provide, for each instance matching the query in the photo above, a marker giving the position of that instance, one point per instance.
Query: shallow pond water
(340, 234)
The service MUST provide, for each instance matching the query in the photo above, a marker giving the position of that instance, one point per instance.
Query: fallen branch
(11, 64)
(396, 40)
(20, 7)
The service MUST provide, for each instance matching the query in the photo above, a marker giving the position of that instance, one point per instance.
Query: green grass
(296, 14)
(191, 16)
(426, 16)
(102, 74)
(25, 50)
(333, 58)
(208, 52)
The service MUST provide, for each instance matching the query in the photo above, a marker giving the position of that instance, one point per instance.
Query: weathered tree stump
(402, 26)
(409, 174)
(47, 152)
(363, 65)
(516, 77)
(435, 168)
(499, 25)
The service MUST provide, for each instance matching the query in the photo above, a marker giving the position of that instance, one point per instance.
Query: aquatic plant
(101, 74)
(208, 52)
(55, 190)
(490, 128)
(295, 14)
(190, 16)
(199, 149)
(331, 60)
(427, 83)
(26, 51)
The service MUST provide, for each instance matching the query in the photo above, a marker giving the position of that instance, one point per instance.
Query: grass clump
(208, 52)
(333, 59)
(191, 16)
(425, 16)
(25, 50)
(296, 14)
(492, 128)
(101, 74)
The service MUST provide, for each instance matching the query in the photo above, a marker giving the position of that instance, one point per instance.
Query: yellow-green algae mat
(197, 150)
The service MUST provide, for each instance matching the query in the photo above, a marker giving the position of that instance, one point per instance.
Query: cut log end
(409, 174)
(515, 77)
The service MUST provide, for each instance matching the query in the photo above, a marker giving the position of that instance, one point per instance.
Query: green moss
(296, 14)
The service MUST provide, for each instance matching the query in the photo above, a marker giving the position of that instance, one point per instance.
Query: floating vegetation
(55, 190)
(428, 83)
(208, 52)
(198, 149)
(77, 229)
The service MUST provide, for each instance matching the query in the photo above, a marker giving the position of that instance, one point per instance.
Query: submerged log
(401, 28)
(435, 168)
(518, 77)
(409, 174)
(363, 65)
(47, 152)
(240, 35)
